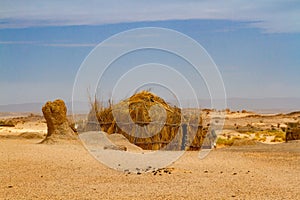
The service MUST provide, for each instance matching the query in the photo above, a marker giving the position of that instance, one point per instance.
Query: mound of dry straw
(139, 116)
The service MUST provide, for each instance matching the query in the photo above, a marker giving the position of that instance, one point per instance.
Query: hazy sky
(255, 44)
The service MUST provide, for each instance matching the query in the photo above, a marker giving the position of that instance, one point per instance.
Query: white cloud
(49, 44)
(69, 44)
(18, 42)
(271, 16)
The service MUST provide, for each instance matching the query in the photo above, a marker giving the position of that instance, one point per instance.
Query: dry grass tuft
(142, 114)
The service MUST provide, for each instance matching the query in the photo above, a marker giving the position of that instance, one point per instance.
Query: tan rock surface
(55, 114)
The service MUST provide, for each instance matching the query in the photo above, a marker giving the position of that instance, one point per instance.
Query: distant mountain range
(81, 107)
(266, 105)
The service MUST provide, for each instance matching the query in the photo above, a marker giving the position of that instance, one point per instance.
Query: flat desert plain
(66, 170)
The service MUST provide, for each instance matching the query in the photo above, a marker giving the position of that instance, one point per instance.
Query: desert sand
(66, 170)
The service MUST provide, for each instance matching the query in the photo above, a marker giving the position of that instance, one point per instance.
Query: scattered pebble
(163, 170)
(151, 170)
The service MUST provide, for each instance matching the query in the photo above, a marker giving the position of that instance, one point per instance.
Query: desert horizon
(258, 105)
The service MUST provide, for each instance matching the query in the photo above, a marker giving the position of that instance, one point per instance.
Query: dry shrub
(277, 139)
(244, 142)
(225, 142)
(236, 141)
(7, 123)
(134, 114)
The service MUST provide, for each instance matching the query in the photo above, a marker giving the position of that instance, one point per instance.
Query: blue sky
(256, 45)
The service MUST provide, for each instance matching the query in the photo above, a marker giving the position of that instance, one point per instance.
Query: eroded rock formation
(55, 114)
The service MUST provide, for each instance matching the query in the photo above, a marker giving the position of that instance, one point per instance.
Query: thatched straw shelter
(147, 121)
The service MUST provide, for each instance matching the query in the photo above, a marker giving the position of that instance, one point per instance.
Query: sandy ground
(68, 171)
(26, 126)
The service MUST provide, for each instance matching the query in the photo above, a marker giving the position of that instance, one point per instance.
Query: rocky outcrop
(55, 114)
